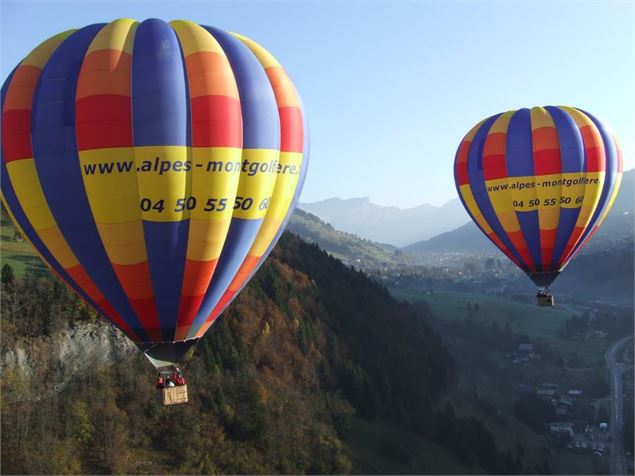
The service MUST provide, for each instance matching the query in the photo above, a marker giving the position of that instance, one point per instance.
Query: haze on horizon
(391, 88)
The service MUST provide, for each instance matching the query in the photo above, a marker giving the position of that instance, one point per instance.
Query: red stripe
(16, 135)
(547, 162)
(494, 167)
(188, 308)
(461, 163)
(216, 122)
(196, 278)
(547, 243)
(146, 310)
(291, 129)
(518, 240)
(461, 173)
(595, 159)
(593, 149)
(494, 163)
(103, 121)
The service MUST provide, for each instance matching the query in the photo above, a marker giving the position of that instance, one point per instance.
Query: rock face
(36, 367)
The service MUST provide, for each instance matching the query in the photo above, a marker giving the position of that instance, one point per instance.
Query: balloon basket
(173, 395)
(545, 300)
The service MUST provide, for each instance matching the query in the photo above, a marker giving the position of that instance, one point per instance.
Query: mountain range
(392, 225)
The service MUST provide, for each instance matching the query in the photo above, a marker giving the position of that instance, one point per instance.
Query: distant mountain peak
(388, 224)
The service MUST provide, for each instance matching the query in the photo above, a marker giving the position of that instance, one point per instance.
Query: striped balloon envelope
(539, 182)
(153, 166)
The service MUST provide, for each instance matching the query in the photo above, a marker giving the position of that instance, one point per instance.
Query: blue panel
(261, 121)
(57, 163)
(572, 154)
(477, 184)
(166, 246)
(520, 163)
(570, 140)
(239, 239)
(161, 116)
(159, 86)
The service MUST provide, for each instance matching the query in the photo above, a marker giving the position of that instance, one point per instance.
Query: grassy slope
(18, 254)
(540, 324)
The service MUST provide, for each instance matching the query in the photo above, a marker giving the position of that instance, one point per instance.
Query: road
(616, 369)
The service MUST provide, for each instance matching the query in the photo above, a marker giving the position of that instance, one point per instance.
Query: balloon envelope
(153, 166)
(538, 182)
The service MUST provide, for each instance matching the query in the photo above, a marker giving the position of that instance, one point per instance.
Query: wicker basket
(174, 395)
(545, 300)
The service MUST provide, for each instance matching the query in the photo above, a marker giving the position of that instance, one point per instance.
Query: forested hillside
(351, 249)
(310, 354)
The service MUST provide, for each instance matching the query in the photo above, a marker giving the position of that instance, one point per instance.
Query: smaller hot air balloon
(539, 182)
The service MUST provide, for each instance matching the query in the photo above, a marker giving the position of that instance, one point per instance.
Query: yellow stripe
(24, 235)
(163, 182)
(266, 59)
(257, 180)
(194, 38)
(117, 35)
(41, 54)
(592, 192)
(26, 184)
(113, 197)
(475, 211)
(579, 118)
(472, 132)
(124, 242)
(206, 239)
(286, 184)
(539, 117)
(501, 124)
(215, 177)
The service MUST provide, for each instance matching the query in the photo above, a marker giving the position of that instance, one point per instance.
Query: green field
(380, 448)
(16, 253)
(539, 323)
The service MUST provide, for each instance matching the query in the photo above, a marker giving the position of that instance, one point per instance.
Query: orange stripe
(210, 74)
(244, 272)
(545, 138)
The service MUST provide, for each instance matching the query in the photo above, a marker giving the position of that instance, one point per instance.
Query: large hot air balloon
(153, 166)
(539, 182)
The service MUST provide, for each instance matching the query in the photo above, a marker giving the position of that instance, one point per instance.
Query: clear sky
(390, 88)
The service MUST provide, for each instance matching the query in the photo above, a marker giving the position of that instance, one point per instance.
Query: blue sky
(391, 88)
